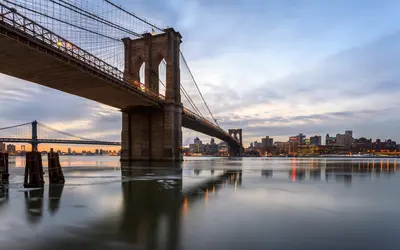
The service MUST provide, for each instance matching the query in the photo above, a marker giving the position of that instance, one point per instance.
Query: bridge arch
(162, 76)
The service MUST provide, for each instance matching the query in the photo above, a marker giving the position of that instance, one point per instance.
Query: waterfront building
(315, 140)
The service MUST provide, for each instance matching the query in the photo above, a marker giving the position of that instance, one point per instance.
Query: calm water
(248, 203)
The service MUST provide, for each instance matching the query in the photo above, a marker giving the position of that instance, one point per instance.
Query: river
(213, 203)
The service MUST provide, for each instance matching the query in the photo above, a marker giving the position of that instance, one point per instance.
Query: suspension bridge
(36, 133)
(98, 50)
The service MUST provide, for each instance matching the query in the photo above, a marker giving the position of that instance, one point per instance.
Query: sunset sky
(274, 68)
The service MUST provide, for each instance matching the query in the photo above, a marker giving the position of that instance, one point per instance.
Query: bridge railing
(11, 17)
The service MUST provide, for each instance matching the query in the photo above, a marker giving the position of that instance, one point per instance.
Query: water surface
(212, 203)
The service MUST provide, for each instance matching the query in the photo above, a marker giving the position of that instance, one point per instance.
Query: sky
(273, 68)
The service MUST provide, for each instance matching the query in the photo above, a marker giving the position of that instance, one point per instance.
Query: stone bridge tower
(153, 133)
(236, 150)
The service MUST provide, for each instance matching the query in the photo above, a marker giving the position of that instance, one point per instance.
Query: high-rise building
(2, 147)
(69, 151)
(349, 133)
(345, 139)
(267, 142)
(315, 140)
(300, 139)
(11, 148)
(212, 148)
(197, 146)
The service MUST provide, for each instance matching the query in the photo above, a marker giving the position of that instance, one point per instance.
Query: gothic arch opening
(162, 76)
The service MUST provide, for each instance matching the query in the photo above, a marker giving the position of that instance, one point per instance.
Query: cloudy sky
(274, 68)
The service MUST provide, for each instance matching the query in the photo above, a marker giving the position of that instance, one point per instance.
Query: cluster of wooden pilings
(4, 174)
(34, 169)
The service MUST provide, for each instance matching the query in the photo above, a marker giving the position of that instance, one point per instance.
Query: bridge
(36, 133)
(72, 46)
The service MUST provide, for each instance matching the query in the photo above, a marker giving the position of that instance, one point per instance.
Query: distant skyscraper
(11, 148)
(315, 140)
(69, 151)
(197, 146)
(300, 139)
(267, 142)
(344, 139)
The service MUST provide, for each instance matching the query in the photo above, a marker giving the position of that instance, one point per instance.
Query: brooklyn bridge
(102, 52)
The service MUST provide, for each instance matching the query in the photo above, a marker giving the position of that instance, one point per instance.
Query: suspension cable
(65, 22)
(190, 72)
(20, 125)
(191, 102)
(187, 98)
(132, 14)
(64, 133)
(94, 17)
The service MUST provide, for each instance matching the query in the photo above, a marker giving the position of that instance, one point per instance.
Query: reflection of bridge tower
(151, 210)
(153, 133)
(236, 150)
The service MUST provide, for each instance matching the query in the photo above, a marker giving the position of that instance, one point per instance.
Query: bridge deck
(29, 59)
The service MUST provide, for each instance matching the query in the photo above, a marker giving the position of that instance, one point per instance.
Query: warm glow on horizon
(64, 147)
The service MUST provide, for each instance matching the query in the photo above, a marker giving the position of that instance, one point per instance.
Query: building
(286, 148)
(197, 146)
(11, 148)
(2, 147)
(315, 140)
(345, 139)
(69, 151)
(212, 148)
(300, 139)
(330, 140)
(267, 142)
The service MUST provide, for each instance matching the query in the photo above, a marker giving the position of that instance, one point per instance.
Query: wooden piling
(33, 170)
(4, 174)
(4, 168)
(56, 175)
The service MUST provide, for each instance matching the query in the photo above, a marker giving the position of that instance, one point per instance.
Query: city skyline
(299, 77)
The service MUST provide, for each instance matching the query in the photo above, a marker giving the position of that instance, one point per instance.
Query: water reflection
(3, 196)
(151, 209)
(55, 192)
(338, 171)
(154, 210)
(34, 205)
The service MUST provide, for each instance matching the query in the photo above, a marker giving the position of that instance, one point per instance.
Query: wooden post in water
(4, 168)
(4, 175)
(56, 175)
(33, 170)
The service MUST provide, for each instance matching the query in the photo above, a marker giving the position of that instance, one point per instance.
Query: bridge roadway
(55, 141)
(32, 53)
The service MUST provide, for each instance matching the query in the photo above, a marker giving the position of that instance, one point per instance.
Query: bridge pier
(236, 150)
(153, 133)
